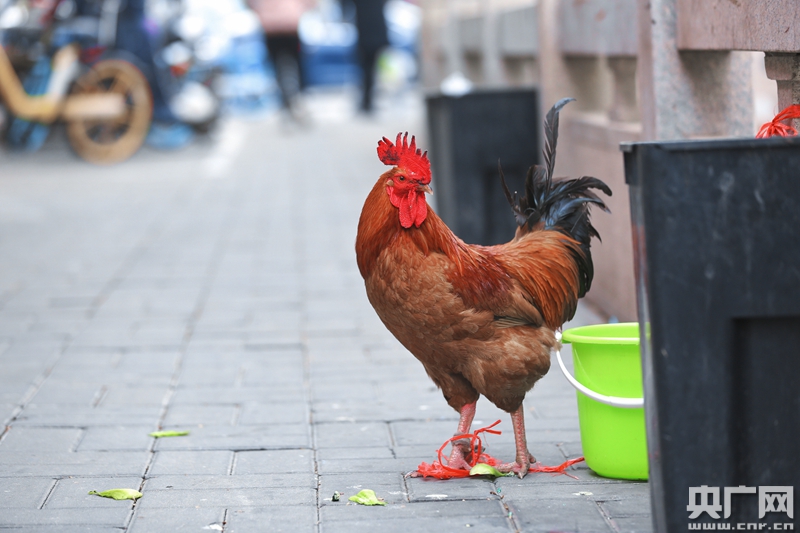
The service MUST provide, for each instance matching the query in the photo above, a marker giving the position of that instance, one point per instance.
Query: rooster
(482, 320)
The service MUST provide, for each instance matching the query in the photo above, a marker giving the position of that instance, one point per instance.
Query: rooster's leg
(461, 448)
(524, 457)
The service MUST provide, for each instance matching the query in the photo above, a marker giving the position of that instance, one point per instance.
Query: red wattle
(406, 209)
(412, 206)
(421, 209)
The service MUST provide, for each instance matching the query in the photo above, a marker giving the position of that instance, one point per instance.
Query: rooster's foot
(460, 455)
(520, 467)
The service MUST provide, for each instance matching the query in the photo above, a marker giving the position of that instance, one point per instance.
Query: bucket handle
(614, 401)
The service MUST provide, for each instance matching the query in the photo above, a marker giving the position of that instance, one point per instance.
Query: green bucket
(608, 377)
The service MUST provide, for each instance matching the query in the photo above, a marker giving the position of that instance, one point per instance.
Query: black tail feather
(559, 204)
(551, 135)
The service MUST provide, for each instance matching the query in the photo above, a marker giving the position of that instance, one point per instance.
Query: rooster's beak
(424, 188)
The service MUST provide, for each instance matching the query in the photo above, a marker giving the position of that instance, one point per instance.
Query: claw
(520, 467)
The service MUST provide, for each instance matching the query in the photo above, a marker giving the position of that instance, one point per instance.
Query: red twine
(440, 470)
(777, 127)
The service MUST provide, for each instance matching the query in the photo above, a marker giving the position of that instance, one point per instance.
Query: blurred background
(208, 59)
(152, 84)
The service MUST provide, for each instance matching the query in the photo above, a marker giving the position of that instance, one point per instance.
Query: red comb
(408, 157)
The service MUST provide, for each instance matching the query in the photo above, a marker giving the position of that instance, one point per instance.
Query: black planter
(717, 241)
(468, 135)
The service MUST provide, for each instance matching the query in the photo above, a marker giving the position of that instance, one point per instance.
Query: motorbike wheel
(114, 140)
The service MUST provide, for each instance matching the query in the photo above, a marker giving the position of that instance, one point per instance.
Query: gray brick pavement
(160, 295)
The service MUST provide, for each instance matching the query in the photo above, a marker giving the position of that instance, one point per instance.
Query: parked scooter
(224, 43)
(186, 82)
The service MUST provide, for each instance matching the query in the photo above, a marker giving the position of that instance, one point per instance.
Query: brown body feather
(480, 319)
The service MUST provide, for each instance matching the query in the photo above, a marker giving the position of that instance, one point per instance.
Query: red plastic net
(440, 470)
(777, 128)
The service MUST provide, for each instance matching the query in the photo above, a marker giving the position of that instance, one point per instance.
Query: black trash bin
(468, 135)
(717, 238)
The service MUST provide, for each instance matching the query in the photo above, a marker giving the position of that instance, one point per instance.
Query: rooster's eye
(401, 178)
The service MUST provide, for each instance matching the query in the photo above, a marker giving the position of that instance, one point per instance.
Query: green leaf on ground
(119, 494)
(482, 469)
(367, 497)
(159, 434)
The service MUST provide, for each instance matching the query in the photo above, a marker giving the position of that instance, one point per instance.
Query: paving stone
(366, 453)
(116, 438)
(379, 411)
(133, 396)
(388, 486)
(201, 414)
(243, 375)
(292, 519)
(72, 528)
(238, 481)
(239, 497)
(403, 525)
(220, 374)
(428, 510)
(543, 486)
(269, 413)
(427, 489)
(420, 452)
(273, 436)
(189, 462)
(333, 327)
(563, 410)
(73, 464)
(633, 524)
(24, 493)
(14, 518)
(122, 364)
(65, 393)
(258, 373)
(154, 335)
(636, 492)
(352, 434)
(576, 514)
(274, 461)
(551, 435)
(571, 448)
(93, 375)
(7, 412)
(353, 369)
(343, 466)
(541, 506)
(160, 520)
(19, 439)
(337, 391)
(234, 395)
(57, 416)
(74, 492)
(279, 336)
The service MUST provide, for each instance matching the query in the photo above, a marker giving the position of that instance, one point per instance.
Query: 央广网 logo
(771, 499)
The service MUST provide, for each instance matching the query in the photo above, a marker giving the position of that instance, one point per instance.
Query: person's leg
(293, 47)
(283, 50)
(367, 60)
(274, 51)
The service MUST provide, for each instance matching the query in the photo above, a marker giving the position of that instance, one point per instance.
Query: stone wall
(639, 70)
